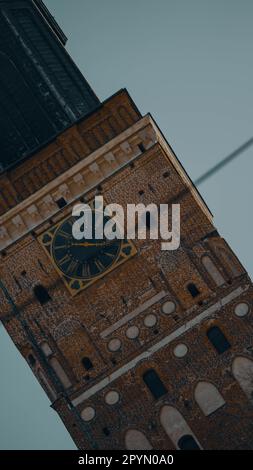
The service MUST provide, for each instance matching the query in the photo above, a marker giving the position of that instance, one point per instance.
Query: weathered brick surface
(72, 326)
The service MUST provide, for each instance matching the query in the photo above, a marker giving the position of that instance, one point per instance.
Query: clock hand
(87, 244)
(107, 243)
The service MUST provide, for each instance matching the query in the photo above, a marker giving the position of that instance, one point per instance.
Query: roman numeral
(86, 270)
(110, 255)
(64, 260)
(60, 247)
(99, 265)
(72, 267)
(65, 234)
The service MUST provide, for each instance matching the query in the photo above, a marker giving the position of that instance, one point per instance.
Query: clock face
(84, 259)
(82, 262)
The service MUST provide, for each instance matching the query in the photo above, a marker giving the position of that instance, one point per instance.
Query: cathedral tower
(139, 348)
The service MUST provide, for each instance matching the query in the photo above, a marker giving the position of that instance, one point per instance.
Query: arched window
(193, 290)
(218, 339)
(87, 364)
(41, 294)
(230, 261)
(154, 383)
(242, 369)
(188, 443)
(208, 397)
(31, 360)
(136, 440)
(212, 270)
(177, 428)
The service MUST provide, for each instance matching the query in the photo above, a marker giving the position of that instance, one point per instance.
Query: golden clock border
(83, 284)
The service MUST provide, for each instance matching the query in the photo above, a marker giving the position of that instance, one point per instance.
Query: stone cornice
(86, 175)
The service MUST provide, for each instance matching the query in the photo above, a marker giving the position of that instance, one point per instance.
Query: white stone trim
(86, 175)
(86, 162)
(156, 347)
(133, 314)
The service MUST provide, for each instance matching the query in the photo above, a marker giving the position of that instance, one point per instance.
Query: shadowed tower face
(42, 92)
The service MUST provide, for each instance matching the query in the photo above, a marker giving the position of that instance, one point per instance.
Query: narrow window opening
(41, 294)
(124, 301)
(106, 431)
(61, 203)
(187, 404)
(87, 364)
(188, 443)
(31, 360)
(154, 384)
(218, 339)
(141, 148)
(193, 290)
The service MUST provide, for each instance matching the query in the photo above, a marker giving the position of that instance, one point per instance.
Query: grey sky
(189, 63)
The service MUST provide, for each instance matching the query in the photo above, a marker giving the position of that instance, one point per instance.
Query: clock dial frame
(81, 263)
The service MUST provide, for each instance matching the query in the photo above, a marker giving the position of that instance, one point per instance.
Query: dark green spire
(41, 89)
